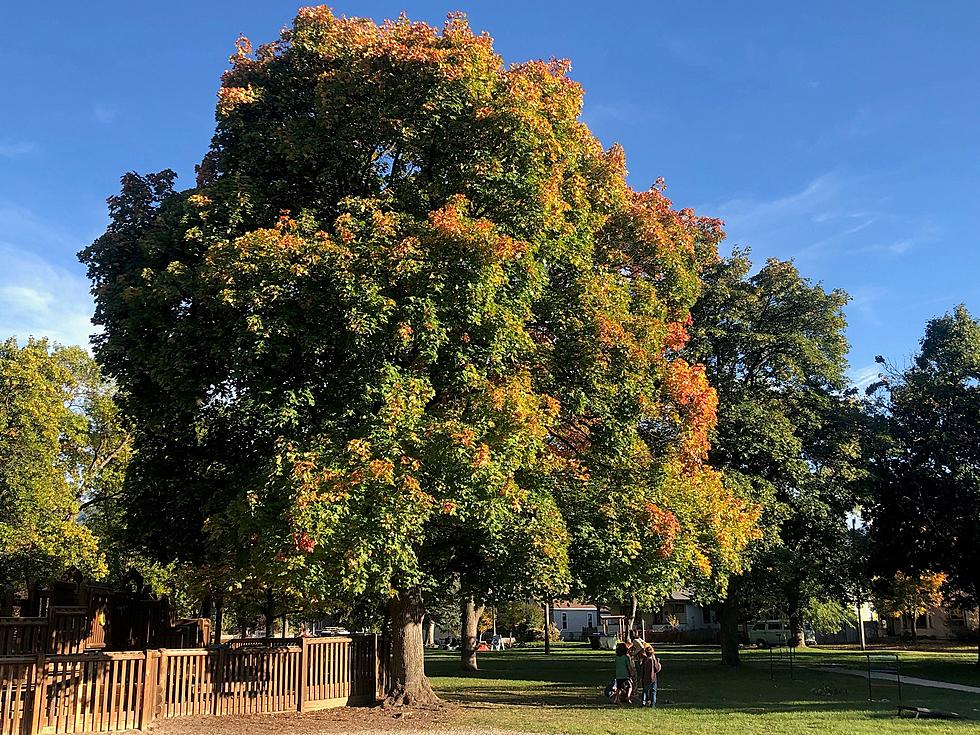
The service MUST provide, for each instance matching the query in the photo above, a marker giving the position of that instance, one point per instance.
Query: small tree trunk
(633, 608)
(795, 620)
(728, 620)
(547, 627)
(409, 686)
(470, 624)
(976, 596)
(269, 609)
(218, 620)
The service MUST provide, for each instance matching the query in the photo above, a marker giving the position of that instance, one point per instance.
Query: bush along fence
(111, 692)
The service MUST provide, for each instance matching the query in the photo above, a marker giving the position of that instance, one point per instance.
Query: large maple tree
(409, 311)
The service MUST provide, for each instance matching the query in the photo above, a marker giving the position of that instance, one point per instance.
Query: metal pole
(860, 626)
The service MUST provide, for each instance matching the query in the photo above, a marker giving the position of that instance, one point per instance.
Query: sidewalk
(910, 680)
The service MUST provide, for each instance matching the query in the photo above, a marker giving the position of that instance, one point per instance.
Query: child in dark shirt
(649, 668)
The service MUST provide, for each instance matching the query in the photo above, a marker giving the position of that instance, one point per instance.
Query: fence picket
(108, 692)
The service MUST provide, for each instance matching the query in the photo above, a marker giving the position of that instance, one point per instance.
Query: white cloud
(831, 216)
(865, 301)
(10, 149)
(43, 291)
(864, 376)
(103, 113)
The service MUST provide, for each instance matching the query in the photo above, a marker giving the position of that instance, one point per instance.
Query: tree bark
(976, 597)
(218, 620)
(633, 608)
(470, 628)
(409, 685)
(728, 620)
(547, 627)
(795, 620)
(269, 609)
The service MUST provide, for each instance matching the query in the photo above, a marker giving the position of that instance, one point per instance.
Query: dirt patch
(360, 720)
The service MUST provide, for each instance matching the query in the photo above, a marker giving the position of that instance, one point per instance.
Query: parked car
(765, 633)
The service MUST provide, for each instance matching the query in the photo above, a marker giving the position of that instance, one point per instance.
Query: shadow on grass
(693, 679)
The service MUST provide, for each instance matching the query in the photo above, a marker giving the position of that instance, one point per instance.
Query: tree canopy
(411, 324)
(63, 452)
(925, 509)
(787, 435)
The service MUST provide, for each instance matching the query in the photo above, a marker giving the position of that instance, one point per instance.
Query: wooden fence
(111, 692)
(63, 630)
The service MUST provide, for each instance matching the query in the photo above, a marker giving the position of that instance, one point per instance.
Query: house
(938, 623)
(678, 613)
(576, 619)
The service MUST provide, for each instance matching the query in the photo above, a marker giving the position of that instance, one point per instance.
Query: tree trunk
(470, 628)
(915, 636)
(633, 608)
(795, 620)
(409, 686)
(219, 609)
(728, 620)
(269, 609)
(547, 627)
(976, 597)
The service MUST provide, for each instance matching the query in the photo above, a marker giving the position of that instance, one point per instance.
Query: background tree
(787, 436)
(925, 509)
(644, 511)
(62, 450)
(520, 619)
(910, 596)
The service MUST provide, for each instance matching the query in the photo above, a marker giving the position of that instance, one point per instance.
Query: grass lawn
(525, 690)
(958, 665)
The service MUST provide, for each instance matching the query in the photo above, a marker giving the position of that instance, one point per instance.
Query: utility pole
(860, 624)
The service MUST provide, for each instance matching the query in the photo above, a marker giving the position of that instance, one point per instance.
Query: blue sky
(841, 134)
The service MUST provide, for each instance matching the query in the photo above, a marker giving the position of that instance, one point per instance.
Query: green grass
(527, 691)
(957, 665)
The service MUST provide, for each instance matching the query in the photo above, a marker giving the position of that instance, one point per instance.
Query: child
(648, 677)
(625, 674)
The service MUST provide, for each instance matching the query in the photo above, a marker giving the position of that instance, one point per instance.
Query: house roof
(577, 605)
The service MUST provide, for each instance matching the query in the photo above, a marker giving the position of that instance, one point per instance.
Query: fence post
(148, 708)
(302, 692)
(40, 695)
(163, 671)
(376, 661)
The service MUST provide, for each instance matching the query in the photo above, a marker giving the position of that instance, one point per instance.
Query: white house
(572, 618)
(678, 612)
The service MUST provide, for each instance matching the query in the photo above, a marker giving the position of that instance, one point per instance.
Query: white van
(765, 633)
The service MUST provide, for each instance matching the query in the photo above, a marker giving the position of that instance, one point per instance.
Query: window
(775, 626)
(679, 611)
(590, 620)
(759, 626)
(956, 619)
(923, 622)
(709, 618)
(564, 621)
